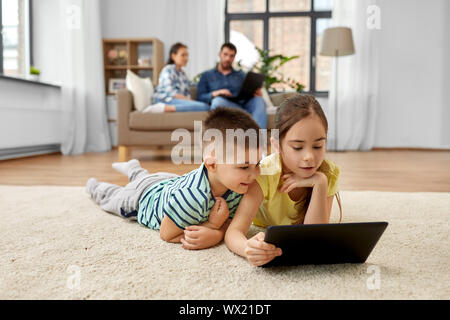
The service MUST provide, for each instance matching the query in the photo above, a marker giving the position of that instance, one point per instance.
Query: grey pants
(124, 201)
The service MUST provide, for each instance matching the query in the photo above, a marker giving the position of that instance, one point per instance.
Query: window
(15, 37)
(284, 27)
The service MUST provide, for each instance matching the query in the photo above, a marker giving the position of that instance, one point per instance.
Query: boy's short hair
(241, 122)
(223, 118)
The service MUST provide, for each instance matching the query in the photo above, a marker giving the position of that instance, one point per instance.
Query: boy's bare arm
(169, 231)
(206, 235)
(211, 232)
(218, 215)
(201, 237)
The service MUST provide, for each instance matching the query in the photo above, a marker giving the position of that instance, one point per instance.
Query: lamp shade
(337, 41)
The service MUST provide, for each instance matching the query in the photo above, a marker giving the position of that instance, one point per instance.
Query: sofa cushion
(141, 89)
(164, 121)
(279, 97)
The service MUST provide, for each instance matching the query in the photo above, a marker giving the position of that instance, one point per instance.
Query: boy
(194, 208)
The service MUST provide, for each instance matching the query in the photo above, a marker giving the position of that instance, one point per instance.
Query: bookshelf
(143, 56)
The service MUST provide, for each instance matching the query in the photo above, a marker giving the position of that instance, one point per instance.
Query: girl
(297, 184)
(173, 91)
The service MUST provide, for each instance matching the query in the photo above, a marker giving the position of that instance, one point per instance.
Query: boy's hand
(219, 213)
(259, 252)
(199, 237)
(292, 181)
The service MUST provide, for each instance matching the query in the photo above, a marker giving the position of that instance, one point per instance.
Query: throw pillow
(141, 88)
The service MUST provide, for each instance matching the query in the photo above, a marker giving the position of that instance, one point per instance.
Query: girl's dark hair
(174, 50)
(291, 111)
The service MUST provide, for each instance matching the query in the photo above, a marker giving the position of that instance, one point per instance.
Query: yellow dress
(277, 207)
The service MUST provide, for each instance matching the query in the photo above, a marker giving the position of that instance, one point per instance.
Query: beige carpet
(57, 244)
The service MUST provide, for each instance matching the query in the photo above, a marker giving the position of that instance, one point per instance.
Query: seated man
(223, 81)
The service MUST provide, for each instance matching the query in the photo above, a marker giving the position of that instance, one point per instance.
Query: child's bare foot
(219, 213)
(126, 167)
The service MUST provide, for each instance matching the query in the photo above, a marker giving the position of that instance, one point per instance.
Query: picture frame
(115, 84)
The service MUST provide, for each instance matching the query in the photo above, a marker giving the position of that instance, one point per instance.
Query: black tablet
(324, 243)
(251, 83)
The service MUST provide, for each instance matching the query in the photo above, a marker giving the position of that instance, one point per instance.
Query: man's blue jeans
(255, 106)
(188, 105)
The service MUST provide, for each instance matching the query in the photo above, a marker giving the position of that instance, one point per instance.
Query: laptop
(251, 83)
(324, 243)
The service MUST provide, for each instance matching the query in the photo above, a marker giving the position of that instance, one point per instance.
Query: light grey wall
(135, 18)
(30, 114)
(414, 74)
(46, 31)
(445, 119)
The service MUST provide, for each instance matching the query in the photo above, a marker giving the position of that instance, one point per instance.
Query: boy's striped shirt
(186, 200)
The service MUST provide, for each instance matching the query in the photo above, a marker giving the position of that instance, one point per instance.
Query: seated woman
(172, 93)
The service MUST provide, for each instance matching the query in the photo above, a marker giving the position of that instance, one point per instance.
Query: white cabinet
(113, 133)
(111, 104)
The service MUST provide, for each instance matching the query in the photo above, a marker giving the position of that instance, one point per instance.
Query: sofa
(136, 128)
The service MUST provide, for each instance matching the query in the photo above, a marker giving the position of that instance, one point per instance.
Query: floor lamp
(337, 42)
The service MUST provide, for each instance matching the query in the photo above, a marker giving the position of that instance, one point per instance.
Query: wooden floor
(382, 170)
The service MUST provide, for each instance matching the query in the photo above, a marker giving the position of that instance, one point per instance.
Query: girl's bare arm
(320, 205)
(254, 249)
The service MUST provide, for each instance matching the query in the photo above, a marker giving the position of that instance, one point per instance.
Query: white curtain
(358, 79)
(82, 91)
(200, 25)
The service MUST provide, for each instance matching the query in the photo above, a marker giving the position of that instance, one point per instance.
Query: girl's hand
(259, 252)
(200, 237)
(292, 181)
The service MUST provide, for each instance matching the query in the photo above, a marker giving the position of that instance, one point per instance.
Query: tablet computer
(324, 243)
(251, 83)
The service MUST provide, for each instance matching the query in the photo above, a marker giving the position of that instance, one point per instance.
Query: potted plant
(269, 65)
(34, 73)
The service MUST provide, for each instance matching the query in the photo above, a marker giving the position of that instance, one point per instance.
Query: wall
(415, 74)
(46, 32)
(29, 114)
(445, 119)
